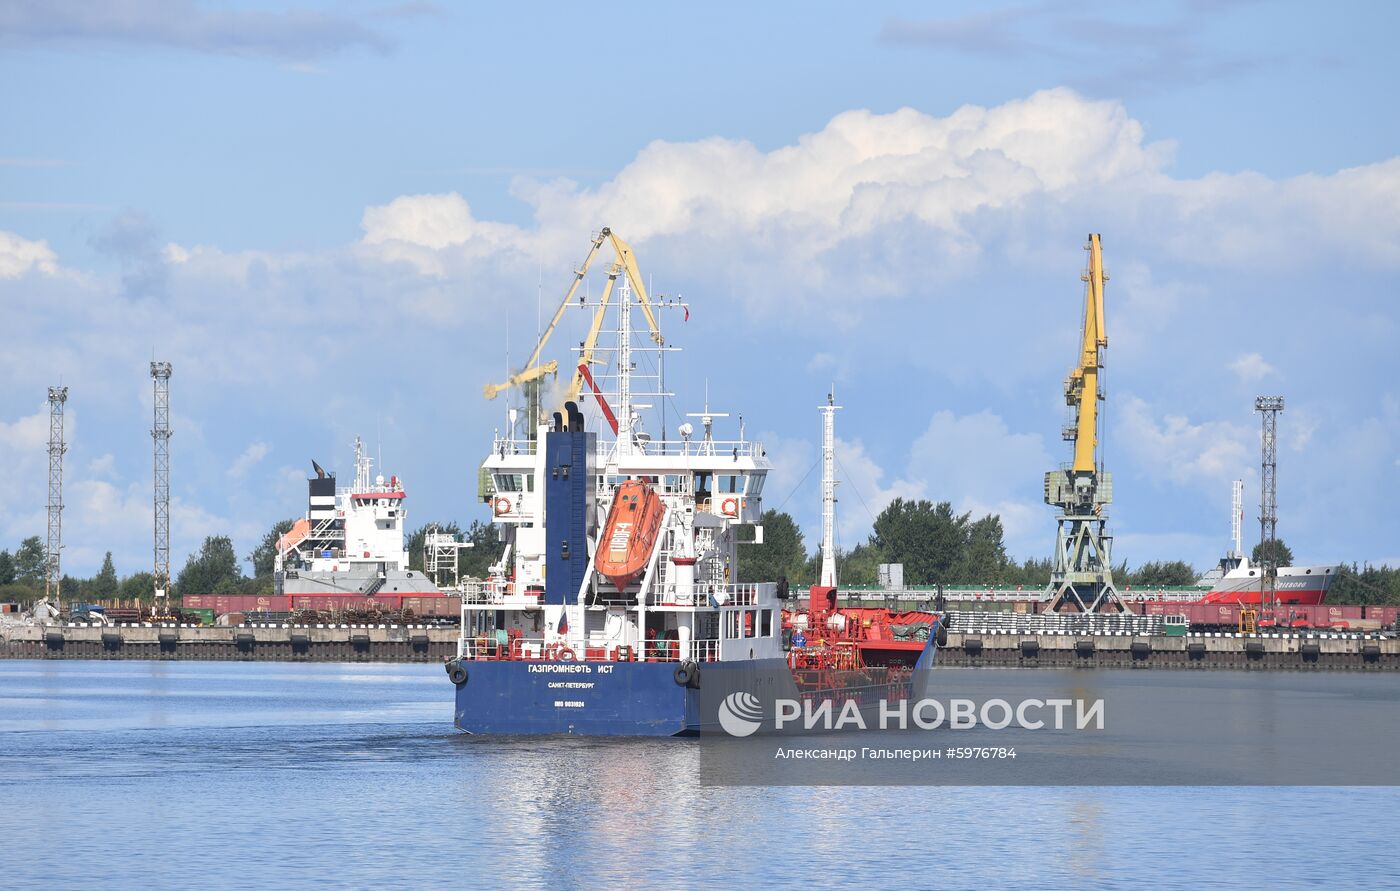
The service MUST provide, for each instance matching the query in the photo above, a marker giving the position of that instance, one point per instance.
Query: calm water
(265, 775)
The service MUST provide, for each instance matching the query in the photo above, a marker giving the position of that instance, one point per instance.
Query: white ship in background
(1236, 580)
(351, 541)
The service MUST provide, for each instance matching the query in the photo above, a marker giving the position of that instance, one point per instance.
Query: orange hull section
(629, 536)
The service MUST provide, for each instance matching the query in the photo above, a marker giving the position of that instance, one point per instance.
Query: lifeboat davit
(629, 536)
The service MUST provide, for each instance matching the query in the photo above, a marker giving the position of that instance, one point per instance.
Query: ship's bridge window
(510, 482)
(730, 482)
(756, 484)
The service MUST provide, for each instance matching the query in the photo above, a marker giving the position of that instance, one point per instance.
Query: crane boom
(1082, 388)
(629, 263)
(1082, 576)
(590, 343)
(626, 264)
(531, 371)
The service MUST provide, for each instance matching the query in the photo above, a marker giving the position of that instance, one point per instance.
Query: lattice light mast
(53, 570)
(828, 573)
(160, 434)
(1268, 408)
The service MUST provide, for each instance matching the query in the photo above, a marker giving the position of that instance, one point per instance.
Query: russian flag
(564, 622)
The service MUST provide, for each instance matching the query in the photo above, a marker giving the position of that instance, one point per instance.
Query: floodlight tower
(53, 570)
(828, 569)
(160, 434)
(1268, 408)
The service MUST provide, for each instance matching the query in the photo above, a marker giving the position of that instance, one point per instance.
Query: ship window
(728, 482)
(508, 482)
(756, 484)
(767, 622)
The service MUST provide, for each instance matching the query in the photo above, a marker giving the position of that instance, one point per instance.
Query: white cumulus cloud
(1251, 367)
(245, 462)
(19, 256)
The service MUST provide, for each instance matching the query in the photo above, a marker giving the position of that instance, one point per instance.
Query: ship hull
(512, 697)
(597, 698)
(357, 583)
(1301, 586)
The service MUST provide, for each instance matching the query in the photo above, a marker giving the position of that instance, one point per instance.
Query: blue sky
(325, 215)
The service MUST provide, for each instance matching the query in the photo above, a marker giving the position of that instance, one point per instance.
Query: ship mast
(828, 573)
(1237, 520)
(624, 369)
(361, 467)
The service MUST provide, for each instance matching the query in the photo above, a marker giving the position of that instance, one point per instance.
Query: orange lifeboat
(629, 536)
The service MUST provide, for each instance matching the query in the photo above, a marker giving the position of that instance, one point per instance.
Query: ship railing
(742, 594)
(487, 646)
(720, 448)
(958, 595)
(498, 592)
(665, 649)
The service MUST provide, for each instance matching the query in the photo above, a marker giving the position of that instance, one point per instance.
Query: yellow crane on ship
(1082, 578)
(625, 263)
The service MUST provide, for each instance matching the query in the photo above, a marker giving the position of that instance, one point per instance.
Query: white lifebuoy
(729, 507)
(502, 506)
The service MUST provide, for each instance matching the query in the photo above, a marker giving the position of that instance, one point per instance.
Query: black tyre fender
(456, 673)
(687, 674)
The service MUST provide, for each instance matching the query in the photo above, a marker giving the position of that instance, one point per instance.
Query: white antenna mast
(828, 574)
(1237, 520)
(624, 368)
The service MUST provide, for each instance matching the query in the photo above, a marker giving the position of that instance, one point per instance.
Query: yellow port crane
(1082, 387)
(1082, 579)
(625, 263)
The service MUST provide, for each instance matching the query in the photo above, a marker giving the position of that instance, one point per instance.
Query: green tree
(781, 556)
(30, 561)
(264, 556)
(486, 549)
(1278, 550)
(473, 562)
(7, 568)
(1365, 584)
(1154, 574)
(75, 589)
(213, 569)
(137, 586)
(858, 566)
(1032, 575)
(983, 560)
(927, 538)
(105, 584)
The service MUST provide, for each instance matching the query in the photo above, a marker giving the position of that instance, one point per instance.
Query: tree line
(214, 568)
(937, 546)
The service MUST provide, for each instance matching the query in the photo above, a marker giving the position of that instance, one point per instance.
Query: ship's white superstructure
(351, 540)
(684, 602)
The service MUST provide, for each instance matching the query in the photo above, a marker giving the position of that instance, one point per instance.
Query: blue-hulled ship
(615, 608)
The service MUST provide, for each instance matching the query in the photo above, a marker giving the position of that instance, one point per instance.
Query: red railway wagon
(237, 603)
(1386, 614)
(1227, 615)
(432, 606)
(334, 602)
